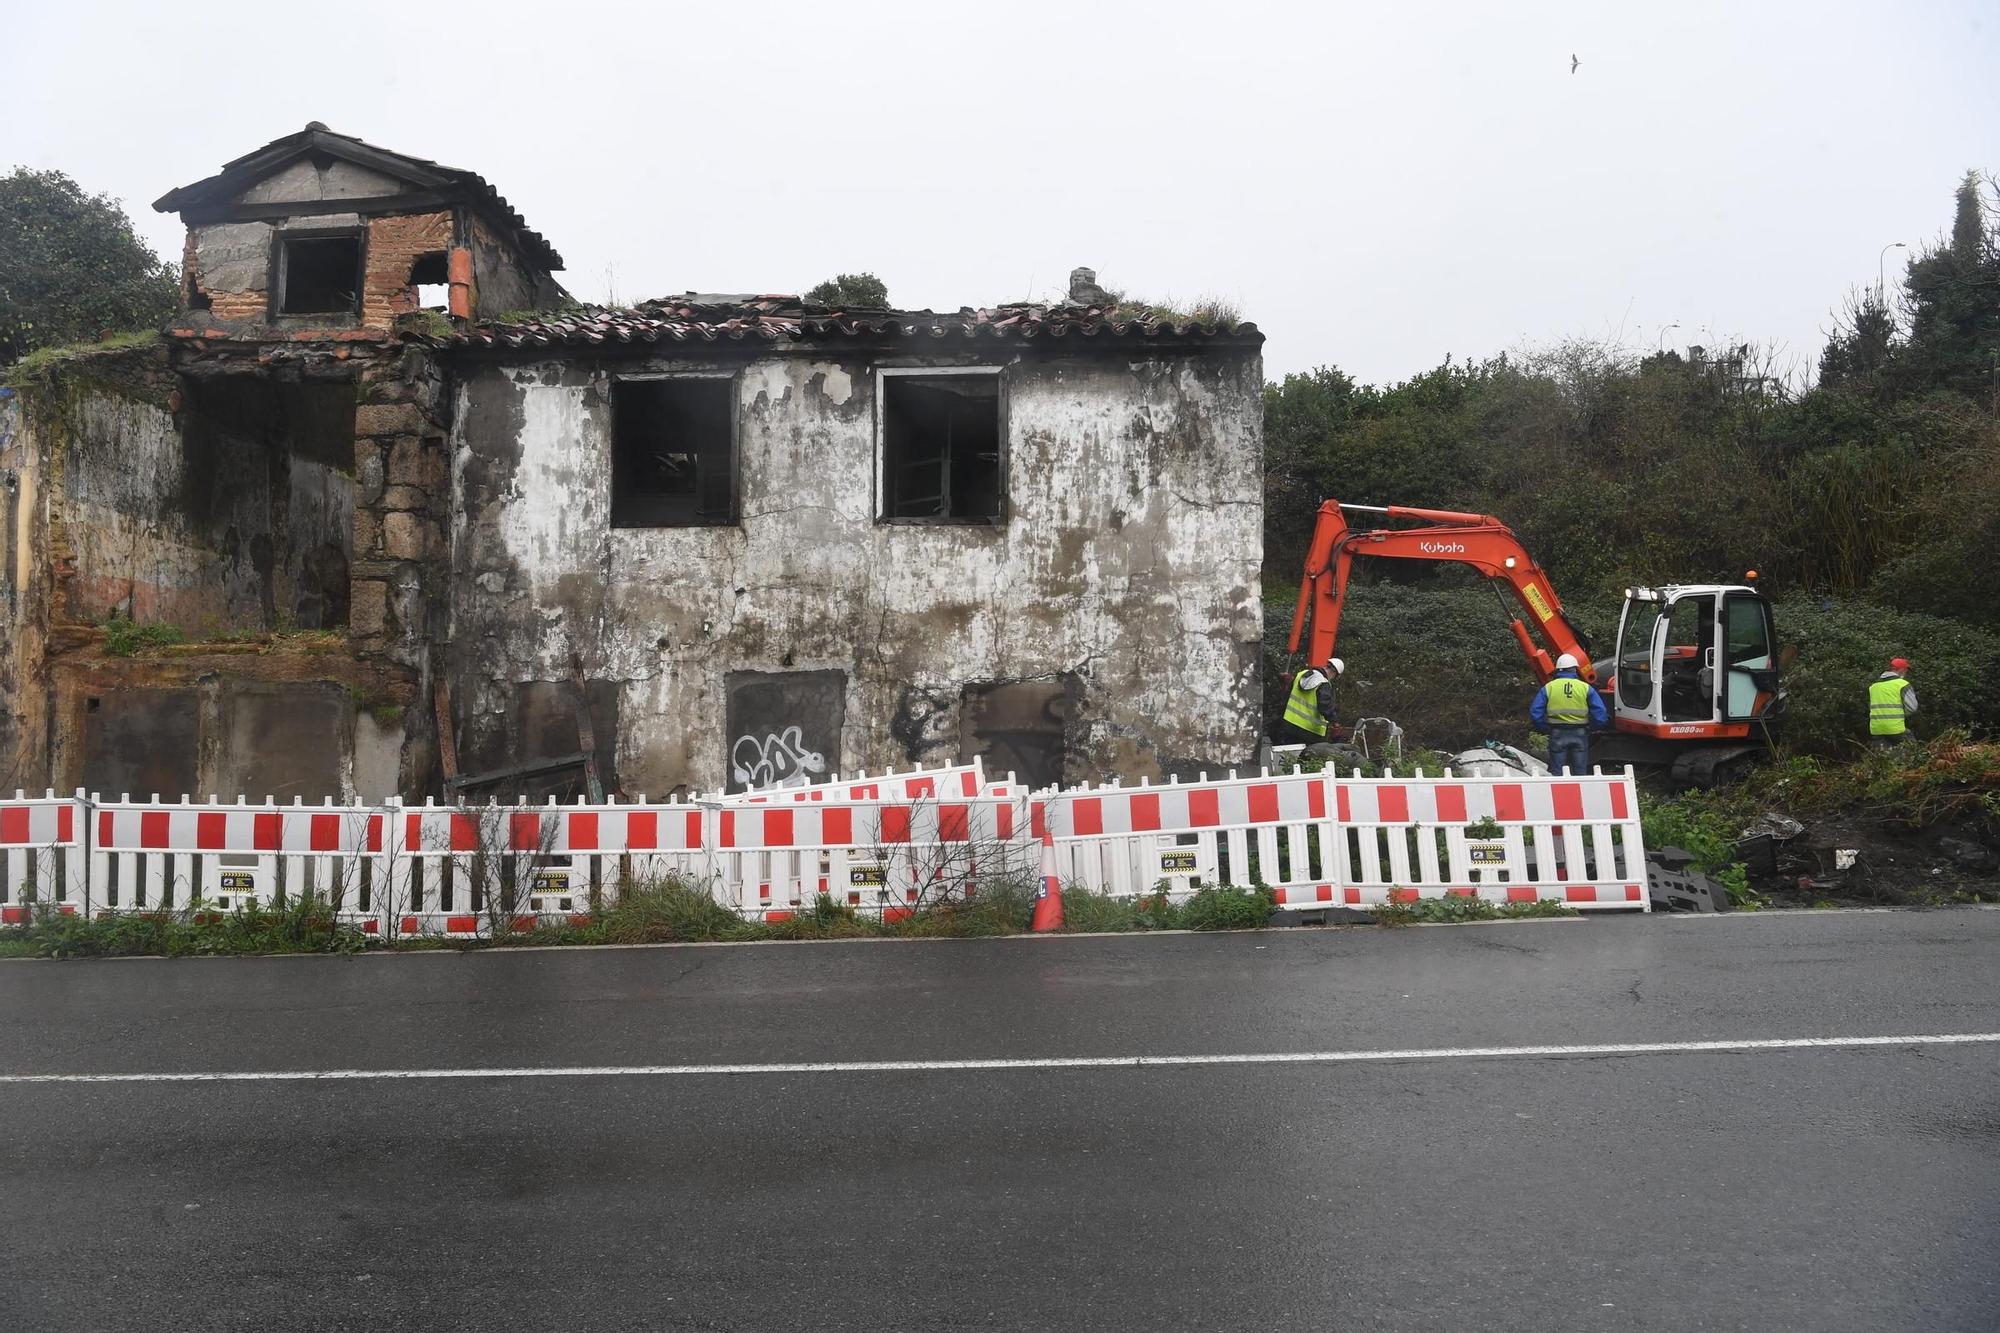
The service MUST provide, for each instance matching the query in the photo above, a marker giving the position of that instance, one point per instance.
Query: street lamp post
(1880, 294)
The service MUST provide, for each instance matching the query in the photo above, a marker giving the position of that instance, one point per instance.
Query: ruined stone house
(421, 523)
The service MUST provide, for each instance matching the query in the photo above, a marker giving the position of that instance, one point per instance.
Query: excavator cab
(1694, 661)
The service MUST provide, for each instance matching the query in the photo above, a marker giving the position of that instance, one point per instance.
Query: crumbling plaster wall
(1129, 562)
(503, 281)
(196, 505)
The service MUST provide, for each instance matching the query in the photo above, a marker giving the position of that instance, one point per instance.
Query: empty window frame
(673, 452)
(429, 284)
(317, 273)
(941, 459)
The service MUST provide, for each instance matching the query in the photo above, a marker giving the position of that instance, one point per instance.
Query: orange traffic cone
(1048, 902)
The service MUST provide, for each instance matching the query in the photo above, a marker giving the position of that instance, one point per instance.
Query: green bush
(1086, 912)
(1845, 644)
(1924, 783)
(123, 638)
(664, 912)
(1219, 907)
(301, 925)
(1000, 907)
(1701, 827)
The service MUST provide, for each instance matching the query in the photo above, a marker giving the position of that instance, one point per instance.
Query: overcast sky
(1375, 185)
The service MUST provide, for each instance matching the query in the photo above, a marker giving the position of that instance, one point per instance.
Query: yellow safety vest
(1569, 702)
(1302, 708)
(1885, 708)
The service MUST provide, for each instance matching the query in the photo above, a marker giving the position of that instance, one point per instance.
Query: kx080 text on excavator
(1693, 685)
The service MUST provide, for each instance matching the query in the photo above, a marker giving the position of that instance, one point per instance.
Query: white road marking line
(1033, 1062)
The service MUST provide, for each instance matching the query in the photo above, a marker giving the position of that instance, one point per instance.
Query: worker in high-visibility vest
(1892, 702)
(1567, 708)
(1309, 710)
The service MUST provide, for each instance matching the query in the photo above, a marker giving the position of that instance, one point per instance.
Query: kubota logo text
(1441, 548)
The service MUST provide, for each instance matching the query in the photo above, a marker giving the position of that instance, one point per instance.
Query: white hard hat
(1567, 662)
(1338, 667)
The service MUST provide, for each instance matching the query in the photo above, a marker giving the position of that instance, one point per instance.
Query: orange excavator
(1693, 684)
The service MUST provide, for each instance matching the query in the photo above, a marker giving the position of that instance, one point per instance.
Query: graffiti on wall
(780, 760)
(783, 727)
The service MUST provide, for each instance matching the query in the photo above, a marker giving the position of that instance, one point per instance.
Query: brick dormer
(319, 234)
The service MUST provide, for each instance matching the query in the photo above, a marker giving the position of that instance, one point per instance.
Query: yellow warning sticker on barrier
(1487, 855)
(1177, 863)
(867, 877)
(549, 881)
(237, 881)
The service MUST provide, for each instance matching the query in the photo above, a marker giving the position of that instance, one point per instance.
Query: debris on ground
(1496, 759)
(1777, 827)
(1675, 885)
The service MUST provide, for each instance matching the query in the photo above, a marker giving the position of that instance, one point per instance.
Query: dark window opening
(319, 275)
(673, 453)
(941, 448)
(430, 281)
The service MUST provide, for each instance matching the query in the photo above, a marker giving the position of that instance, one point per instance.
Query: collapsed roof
(698, 317)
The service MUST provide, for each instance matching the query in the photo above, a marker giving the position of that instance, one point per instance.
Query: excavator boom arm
(1479, 541)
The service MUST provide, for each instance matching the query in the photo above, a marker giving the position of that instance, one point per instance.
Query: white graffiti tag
(778, 760)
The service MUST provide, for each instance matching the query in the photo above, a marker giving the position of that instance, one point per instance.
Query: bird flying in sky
(1573, 62)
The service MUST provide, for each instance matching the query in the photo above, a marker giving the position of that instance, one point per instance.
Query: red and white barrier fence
(873, 844)
(41, 856)
(1371, 841)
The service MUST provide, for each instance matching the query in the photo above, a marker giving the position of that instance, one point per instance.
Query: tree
(852, 289)
(1953, 291)
(1861, 345)
(71, 267)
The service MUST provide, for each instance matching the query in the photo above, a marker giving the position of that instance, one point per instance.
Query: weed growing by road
(302, 925)
(1694, 823)
(1457, 908)
(673, 911)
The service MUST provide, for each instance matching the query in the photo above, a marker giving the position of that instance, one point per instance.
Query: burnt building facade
(383, 500)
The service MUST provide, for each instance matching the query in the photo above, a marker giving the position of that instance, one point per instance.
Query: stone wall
(402, 473)
(1124, 580)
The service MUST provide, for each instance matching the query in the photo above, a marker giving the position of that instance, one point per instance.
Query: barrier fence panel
(1572, 839)
(568, 861)
(42, 863)
(1129, 841)
(886, 856)
(155, 857)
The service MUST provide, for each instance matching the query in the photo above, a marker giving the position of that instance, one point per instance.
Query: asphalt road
(1821, 1189)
